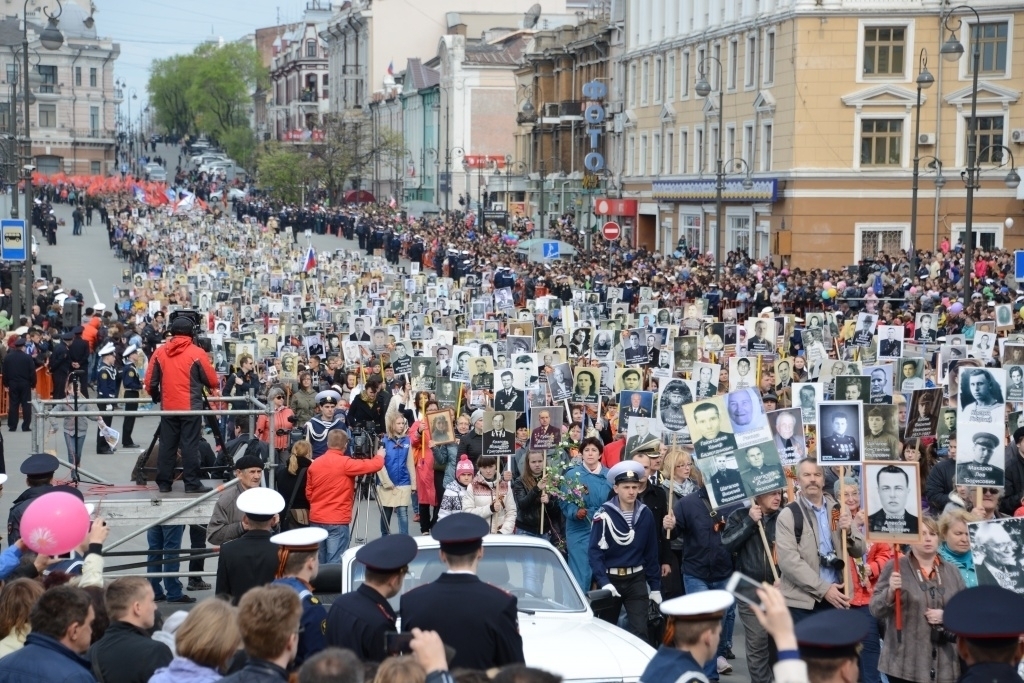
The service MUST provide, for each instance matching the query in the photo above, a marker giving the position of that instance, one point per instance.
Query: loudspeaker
(46, 271)
(72, 314)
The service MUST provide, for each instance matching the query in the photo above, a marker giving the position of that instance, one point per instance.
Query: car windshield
(532, 574)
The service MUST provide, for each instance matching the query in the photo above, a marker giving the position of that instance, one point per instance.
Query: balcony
(308, 96)
(92, 134)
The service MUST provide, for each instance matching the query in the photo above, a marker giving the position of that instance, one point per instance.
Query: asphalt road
(86, 263)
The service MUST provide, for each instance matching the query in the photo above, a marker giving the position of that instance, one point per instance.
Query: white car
(559, 629)
(35, 248)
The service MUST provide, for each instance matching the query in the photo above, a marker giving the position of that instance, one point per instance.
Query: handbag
(299, 518)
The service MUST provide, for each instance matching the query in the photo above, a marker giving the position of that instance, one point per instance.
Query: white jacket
(481, 493)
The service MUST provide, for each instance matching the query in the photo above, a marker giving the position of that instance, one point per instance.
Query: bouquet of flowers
(569, 447)
(569, 489)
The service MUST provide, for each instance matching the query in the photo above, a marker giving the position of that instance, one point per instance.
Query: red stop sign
(611, 230)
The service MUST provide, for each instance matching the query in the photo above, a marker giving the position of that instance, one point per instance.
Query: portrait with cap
(880, 433)
(673, 395)
(893, 496)
(980, 455)
(839, 432)
(760, 468)
(923, 414)
(998, 549)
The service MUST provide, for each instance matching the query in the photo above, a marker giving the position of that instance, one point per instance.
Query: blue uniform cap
(831, 634)
(461, 533)
(625, 471)
(39, 464)
(987, 613)
(388, 553)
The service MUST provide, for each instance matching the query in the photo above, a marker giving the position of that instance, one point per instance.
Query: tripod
(363, 484)
(77, 455)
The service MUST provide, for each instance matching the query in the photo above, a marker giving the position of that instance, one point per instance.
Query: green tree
(284, 172)
(240, 144)
(168, 86)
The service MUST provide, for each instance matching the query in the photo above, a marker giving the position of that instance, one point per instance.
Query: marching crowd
(558, 401)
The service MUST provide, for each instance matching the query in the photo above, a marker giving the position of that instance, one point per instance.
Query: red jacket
(181, 370)
(91, 333)
(330, 485)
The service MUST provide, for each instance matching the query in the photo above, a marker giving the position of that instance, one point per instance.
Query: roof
(508, 51)
(418, 76)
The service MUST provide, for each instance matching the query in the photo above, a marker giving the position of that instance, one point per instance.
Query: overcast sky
(154, 29)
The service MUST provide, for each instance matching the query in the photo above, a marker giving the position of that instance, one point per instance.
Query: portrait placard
(838, 431)
(442, 427)
(893, 494)
(997, 548)
(545, 427)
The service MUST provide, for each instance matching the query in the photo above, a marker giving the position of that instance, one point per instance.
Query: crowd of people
(662, 420)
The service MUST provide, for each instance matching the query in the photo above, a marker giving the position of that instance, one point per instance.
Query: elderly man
(999, 564)
(789, 444)
(226, 521)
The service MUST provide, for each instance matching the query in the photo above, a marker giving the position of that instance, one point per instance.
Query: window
(12, 73)
(645, 81)
(750, 70)
(632, 84)
(713, 145)
(769, 57)
(731, 64)
(992, 39)
(658, 80)
(715, 68)
(884, 50)
(78, 76)
(5, 116)
(643, 155)
(873, 240)
(689, 230)
(656, 154)
(881, 142)
(631, 155)
(47, 115)
(766, 147)
(670, 77)
(48, 72)
(748, 145)
(698, 152)
(990, 137)
(94, 121)
(92, 77)
(670, 145)
(684, 83)
(311, 48)
(701, 65)
(684, 149)
(95, 167)
(739, 233)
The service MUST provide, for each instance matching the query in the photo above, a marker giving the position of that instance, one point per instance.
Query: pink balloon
(55, 523)
(945, 301)
(826, 285)
(784, 271)
(913, 290)
(841, 285)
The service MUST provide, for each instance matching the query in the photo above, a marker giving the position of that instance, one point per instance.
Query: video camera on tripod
(196, 318)
(364, 440)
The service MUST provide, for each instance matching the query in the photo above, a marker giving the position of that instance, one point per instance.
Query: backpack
(798, 520)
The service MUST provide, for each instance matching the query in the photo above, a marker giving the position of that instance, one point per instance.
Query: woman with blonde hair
(400, 670)
(955, 548)
(205, 642)
(397, 480)
(291, 484)
(16, 600)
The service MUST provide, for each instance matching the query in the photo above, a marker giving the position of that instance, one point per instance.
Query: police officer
(989, 621)
(829, 642)
(623, 549)
(360, 620)
(106, 388)
(693, 629)
(251, 559)
(479, 620)
(297, 565)
(132, 386)
(38, 469)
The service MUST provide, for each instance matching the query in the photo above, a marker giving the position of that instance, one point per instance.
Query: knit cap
(464, 466)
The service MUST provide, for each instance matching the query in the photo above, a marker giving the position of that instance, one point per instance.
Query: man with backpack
(810, 560)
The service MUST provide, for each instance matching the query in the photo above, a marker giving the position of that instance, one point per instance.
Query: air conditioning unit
(551, 109)
(1017, 136)
(926, 139)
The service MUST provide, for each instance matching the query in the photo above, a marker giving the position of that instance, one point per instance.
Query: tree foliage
(208, 91)
(283, 172)
(349, 151)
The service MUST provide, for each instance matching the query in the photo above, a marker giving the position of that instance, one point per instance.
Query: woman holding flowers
(582, 493)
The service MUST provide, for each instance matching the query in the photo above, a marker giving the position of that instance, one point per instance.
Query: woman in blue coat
(589, 478)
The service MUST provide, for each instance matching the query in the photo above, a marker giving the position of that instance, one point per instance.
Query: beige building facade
(818, 125)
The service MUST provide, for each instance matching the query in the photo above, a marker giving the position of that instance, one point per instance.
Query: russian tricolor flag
(391, 68)
(310, 260)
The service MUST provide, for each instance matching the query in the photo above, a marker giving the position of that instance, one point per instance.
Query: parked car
(158, 175)
(557, 621)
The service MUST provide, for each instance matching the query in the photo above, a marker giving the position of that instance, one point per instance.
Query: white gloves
(656, 596)
(611, 589)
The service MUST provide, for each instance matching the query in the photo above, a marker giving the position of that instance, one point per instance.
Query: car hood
(607, 653)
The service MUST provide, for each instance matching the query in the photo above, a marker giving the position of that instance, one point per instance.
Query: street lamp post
(924, 81)
(541, 210)
(703, 89)
(51, 39)
(520, 167)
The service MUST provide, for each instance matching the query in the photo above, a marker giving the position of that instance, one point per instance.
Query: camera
(364, 441)
(831, 561)
(940, 636)
(196, 319)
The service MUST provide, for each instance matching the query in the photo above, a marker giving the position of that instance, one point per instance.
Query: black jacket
(742, 539)
(21, 503)
(703, 554)
(1011, 498)
(361, 412)
(939, 484)
(79, 352)
(19, 370)
(359, 621)
(127, 655)
(528, 509)
(656, 498)
(472, 444)
(60, 360)
(246, 562)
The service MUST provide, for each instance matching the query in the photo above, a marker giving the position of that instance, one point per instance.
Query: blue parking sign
(550, 249)
(12, 239)
(1018, 265)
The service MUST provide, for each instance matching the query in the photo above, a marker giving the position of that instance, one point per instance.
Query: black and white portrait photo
(788, 434)
(510, 391)
(881, 433)
(587, 384)
(879, 383)
(806, 397)
(401, 359)
(893, 499)
(865, 328)
(980, 456)
(925, 329)
(760, 335)
(1014, 383)
(423, 373)
(673, 396)
(923, 413)
(760, 468)
(706, 376)
(635, 352)
(852, 388)
(997, 548)
(839, 430)
(981, 396)
(910, 375)
(560, 382)
(747, 417)
(890, 342)
(721, 479)
(710, 428)
(742, 374)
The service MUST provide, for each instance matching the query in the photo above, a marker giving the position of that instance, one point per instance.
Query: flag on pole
(392, 203)
(310, 260)
(391, 68)
(187, 201)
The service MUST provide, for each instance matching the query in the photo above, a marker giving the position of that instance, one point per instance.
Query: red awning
(359, 197)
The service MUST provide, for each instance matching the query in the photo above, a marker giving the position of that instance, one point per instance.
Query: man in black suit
(508, 397)
(893, 490)
(759, 342)
(545, 436)
(361, 619)
(499, 441)
(359, 334)
(890, 347)
(726, 482)
(478, 620)
(251, 559)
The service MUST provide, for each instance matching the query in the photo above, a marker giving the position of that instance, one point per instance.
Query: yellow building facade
(819, 125)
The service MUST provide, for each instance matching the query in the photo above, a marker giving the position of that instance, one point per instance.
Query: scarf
(962, 561)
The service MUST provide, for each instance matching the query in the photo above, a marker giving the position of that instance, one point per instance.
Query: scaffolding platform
(144, 507)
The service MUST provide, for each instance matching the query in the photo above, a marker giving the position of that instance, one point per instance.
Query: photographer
(926, 652)
(177, 375)
(370, 406)
(330, 488)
